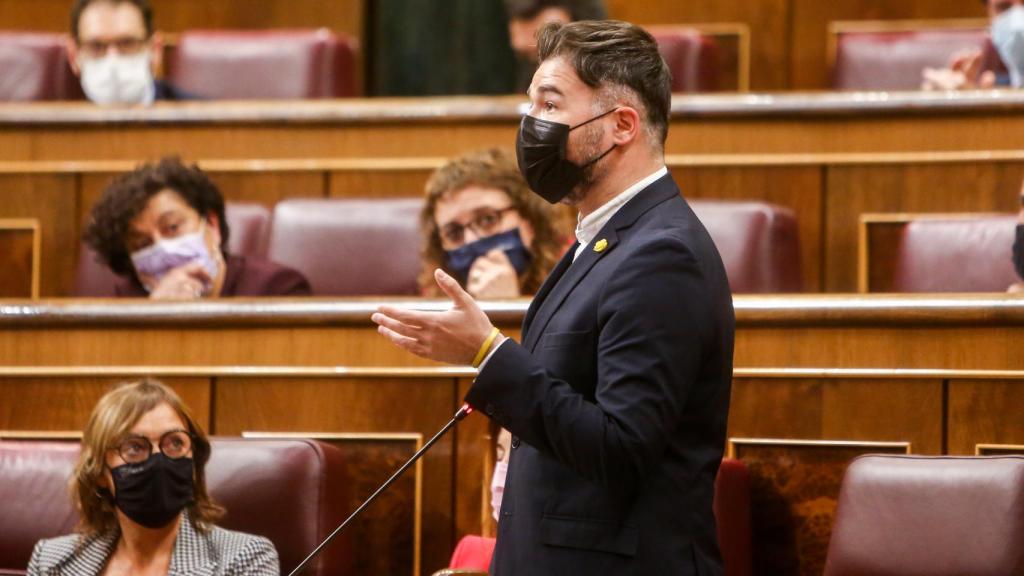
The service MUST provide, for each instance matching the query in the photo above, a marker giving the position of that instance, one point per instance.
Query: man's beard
(590, 148)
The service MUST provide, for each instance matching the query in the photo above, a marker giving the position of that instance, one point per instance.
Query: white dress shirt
(587, 228)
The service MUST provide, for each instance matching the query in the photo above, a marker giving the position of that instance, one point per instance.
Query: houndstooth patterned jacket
(218, 553)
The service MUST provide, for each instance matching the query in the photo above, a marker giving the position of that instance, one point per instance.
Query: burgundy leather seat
(758, 243)
(956, 255)
(691, 57)
(350, 247)
(34, 66)
(895, 60)
(249, 225)
(929, 515)
(293, 491)
(267, 64)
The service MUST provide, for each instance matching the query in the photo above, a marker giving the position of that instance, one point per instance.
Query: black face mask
(541, 149)
(153, 492)
(1018, 251)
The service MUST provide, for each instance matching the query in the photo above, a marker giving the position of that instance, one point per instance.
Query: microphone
(461, 414)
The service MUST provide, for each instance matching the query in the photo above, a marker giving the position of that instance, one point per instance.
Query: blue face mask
(461, 259)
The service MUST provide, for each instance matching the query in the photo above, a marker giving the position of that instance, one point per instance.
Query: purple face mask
(155, 261)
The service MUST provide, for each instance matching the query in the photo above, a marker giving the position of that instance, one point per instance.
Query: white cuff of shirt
(480, 368)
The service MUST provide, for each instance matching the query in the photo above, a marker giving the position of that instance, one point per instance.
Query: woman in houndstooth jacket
(140, 489)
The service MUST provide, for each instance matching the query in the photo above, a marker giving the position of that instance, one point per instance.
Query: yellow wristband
(486, 346)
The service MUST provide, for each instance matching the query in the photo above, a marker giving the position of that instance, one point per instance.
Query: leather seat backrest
(293, 491)
(956, 255)
(249, 225)
(691, 57)
(758, 243)
(350, 247)
(34, 66)
(895, 60)
(936, 515)
(264, 64)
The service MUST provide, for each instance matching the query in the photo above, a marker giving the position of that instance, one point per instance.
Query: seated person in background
(1018, 247)
(162, 227)
(140, 490)
(525, 17)
(485, 228)
(115, 52)
(971, 69)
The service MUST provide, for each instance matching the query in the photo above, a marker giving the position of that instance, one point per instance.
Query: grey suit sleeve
(34, 568)
(257, 558)
(655, 322)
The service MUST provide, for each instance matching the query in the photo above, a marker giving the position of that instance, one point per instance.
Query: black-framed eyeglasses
(137, 449)
(484, 223)
(126, 45)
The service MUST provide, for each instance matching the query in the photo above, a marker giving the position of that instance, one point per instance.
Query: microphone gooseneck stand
(462, 413)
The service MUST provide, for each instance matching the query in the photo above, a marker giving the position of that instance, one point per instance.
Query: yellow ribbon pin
(600, 245)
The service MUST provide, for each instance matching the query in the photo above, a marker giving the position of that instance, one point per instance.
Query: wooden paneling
(827, 193)
(947, 187)
(473, 445)
(385, 539)
(794, 492)
(985, 412)
(19, 258)
(839, 409)
(768, 21)
(49, 199)
(371, 183)
(358, 405)
(177, 15)
(64, 403)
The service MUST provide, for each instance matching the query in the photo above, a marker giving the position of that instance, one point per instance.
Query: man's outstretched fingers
(412, 318)
(410, 344)
(395, 326)
(451, 287)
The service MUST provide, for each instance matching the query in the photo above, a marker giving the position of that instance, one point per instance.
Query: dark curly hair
(126, 197)
(491, 168)
(142, 5)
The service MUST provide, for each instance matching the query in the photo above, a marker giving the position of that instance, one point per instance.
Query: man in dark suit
(618, 395)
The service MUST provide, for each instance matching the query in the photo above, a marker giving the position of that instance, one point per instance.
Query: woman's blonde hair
(489, 168)
(111, 420)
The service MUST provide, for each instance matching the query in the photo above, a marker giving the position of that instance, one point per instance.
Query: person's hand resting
(186, 282)
(453, 336)
(492, 276)
(964, 73)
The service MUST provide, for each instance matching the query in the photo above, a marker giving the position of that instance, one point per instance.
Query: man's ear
(156, 54)
(72, 49)
(627, 125)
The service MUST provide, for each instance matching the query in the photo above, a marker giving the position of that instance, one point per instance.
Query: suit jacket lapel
(546, 287)
(566, 283)
(558, 286)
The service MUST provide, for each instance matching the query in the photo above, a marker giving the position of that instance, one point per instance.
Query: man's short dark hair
(81, 5)
(610, 54)
(577, 9)
(126, 197)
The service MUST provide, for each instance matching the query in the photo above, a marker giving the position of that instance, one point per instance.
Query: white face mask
(1008, 38)
(118, 79)
(498, 487)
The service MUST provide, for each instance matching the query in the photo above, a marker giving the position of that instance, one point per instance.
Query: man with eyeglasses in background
(115, 53)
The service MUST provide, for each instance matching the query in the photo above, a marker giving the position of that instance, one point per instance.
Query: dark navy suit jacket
(617, 399)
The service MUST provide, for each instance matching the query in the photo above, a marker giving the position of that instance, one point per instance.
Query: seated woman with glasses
(140, 490)
(485, 228)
